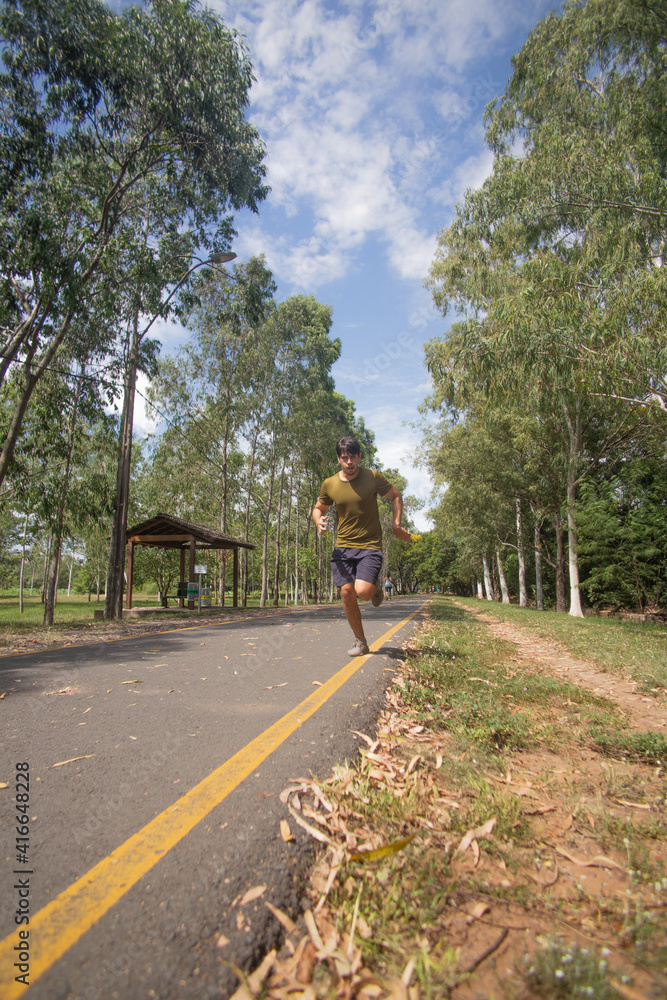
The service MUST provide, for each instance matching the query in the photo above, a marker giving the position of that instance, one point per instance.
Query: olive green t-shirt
(357, 507)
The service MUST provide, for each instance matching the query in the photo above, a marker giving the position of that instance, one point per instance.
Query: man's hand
(321, 518)
(401, 533)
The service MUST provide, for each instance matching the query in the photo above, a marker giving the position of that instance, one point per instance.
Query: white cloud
(336, 95)
(144, 423)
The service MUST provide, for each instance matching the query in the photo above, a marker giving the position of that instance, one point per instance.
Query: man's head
(348, 450)
(348, 444)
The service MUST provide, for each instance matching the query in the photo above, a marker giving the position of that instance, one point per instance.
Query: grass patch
(649, 748)
(561, 973)
(73, 610)
(466, 682)
(625, 648)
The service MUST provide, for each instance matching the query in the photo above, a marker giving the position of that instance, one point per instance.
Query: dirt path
(646, 714)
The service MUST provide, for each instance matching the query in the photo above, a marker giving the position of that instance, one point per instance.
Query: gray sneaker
(360, 648)
(379, 596)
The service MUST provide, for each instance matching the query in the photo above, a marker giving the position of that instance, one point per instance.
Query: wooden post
(235, 595)
(130, 572)
(181, 602)
(193, 560)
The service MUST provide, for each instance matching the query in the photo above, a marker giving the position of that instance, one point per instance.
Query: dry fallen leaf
(383, 852)
(317, 834)
(478, 834)
(132, 682)
(599, 861)
(253, 893)
(285, 831)
(286, 921)
(72, 759)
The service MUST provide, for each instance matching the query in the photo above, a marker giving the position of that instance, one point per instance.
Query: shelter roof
(169, 532)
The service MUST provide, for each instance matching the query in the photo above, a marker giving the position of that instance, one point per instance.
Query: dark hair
(349, 445)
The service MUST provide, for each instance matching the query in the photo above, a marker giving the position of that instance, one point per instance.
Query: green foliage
(124, 145)
(623, 540)
(554, 265)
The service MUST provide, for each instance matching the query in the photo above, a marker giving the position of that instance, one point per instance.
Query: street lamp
(223, 257)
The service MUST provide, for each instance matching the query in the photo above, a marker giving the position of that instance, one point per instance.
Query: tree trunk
(265, 540)
(288, 529)
(22, 568)
(113, 603)
(503, 581)
(480, 592)
(575, 430)
(279, 517)
(573, 562)
(561, 603)
(246, 522)
(52, 586)
(44, 570)
(32, 373)
(487, 578)
(297, 526)
(539, 588)
(523, 600)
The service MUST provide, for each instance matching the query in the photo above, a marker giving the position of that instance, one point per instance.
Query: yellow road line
(60, 924)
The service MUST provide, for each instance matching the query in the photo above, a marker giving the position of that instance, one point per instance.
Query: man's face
(349, 464)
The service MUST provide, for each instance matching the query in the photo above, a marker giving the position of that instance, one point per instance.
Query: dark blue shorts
(348, 565)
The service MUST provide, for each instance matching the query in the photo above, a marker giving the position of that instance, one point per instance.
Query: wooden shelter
(168, 532)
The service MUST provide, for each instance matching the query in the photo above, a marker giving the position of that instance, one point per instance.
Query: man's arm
(319, 513)
(397, 511)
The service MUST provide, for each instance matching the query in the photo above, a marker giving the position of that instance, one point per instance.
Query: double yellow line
(60, 924)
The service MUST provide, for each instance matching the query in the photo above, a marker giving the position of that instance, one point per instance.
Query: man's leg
(351, 594)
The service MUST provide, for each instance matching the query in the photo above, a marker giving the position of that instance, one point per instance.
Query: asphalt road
(137, 852)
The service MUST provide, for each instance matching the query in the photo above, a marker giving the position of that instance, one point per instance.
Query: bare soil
(645, 713)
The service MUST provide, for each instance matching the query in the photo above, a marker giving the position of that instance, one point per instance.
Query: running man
(388, 586)
(356, 560)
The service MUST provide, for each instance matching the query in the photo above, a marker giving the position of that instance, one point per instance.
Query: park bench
(181, 594)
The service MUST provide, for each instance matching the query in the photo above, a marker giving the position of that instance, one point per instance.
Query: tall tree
(109, 121)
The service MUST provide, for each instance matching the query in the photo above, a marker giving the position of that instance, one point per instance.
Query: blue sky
(372, 118)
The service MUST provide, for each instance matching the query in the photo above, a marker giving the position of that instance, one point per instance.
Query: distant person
(388, 587)
(356, 560)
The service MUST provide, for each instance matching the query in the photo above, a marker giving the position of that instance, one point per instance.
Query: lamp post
(113, 600)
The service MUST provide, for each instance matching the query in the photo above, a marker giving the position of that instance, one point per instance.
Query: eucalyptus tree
(124, 146)
(553, 259)
(303, 357)
(477, 502)
(218, 379)
(586, 102)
